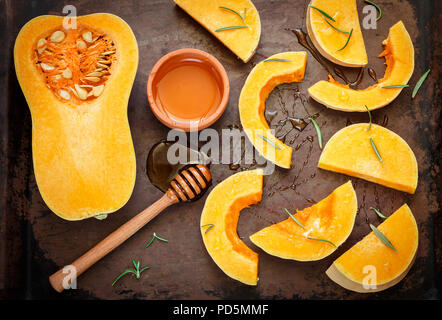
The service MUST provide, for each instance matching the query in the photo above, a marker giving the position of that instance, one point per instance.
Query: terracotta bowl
(210, 118)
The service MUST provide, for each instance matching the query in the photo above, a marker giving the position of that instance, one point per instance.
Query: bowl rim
(186, 126)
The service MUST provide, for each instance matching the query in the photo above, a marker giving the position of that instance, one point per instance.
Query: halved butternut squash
(399, 57)
(372, 266)
(330, 220)
(220, 214)
(217, 15)
(264, 77)
(329, 41)
(350, 151)
(77, 84)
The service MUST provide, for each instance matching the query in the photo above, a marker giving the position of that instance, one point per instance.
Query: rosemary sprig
(235, 12)
(245, 14)
(209, 228)
(396, 86)
(268, 141)
(335, 27)
(276, 59)
(136, 271)
(378, 213)
(325, 14)
(156, 237)
(382, 237)
(318, 131)
(419, 83)
(293, 217)
(230, 28)
(376, 150)
(348, 40)
(317, 239)
(377, 8)
(369, 114)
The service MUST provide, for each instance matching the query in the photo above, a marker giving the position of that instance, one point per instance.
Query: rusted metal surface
(35, 242)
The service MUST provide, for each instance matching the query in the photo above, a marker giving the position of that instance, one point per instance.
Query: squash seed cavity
(75, 64)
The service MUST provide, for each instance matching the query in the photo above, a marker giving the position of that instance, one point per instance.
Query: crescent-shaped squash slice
(351, 152)
(264, 77)
(77, 84)
(372, 266)
(399, 57)
(219, 221)
(331, 219)
(328, 40)
(235, 13)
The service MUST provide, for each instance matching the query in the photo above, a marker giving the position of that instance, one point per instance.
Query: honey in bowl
(188, 89)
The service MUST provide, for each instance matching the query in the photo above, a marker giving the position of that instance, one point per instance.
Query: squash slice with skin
(264, 77)
(370, 265)
(330, 219)
(83, 155)
(399, 58)
(328, 40)
(221, 213)
(242, 42)
(349, 151)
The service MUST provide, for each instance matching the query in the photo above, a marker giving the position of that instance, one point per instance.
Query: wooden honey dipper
(186, 186)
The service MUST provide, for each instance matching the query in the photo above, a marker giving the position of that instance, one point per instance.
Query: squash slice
(242, 42)
(370, 265)
(264, 77)
(220, 214)
(331, 219)
(350, 152)
(328, 40)
(77, 84)
(399, 58)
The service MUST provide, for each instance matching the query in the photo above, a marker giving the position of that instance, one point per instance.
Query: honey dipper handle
(112, 241)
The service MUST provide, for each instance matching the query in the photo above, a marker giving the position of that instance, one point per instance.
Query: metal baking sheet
(34, 242)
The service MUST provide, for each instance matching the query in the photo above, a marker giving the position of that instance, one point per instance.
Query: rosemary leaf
(377, 8)
(235, 12)
(382, 237)
(323, 13)
(396, 86)
(348, 40)
(317, 239)
(156, 237)
(369, 114)
(276, 59)
(123, 274)
(159, 238)
(137, 272)
(376, 150)
(378, 213)
(318, 131)
(335, 27)
(293, 217)
(419, 83)
(230, 28)
(267, 140)
(209, 228)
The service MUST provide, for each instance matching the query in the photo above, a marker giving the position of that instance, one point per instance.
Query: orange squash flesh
(222, 209)
(264, 77)
(350, 152)
(399, 58)
(330, 219)
(84, 160)
(350, 269)
(328, 40)
(242, 42)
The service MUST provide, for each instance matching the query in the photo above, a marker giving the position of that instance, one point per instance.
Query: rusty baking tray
(34, 242)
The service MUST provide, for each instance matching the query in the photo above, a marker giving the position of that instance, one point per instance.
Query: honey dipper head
(191, 182)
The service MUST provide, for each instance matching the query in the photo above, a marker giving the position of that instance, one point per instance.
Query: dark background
(34, 242)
